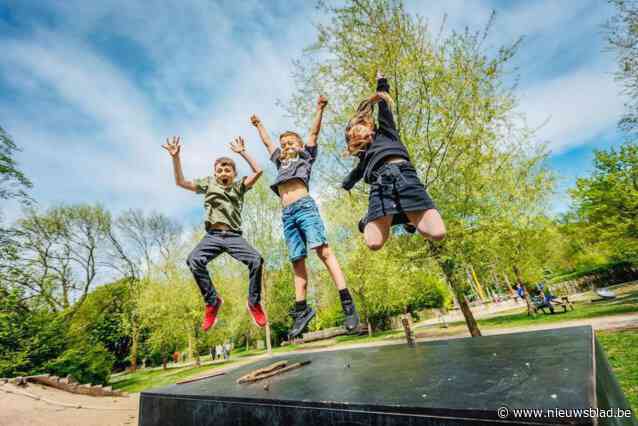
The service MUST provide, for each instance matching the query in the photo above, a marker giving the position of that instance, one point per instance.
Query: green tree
(140, 245)
(622, 36)
(606, 203)
(102, 319)
(13, 182)
(29, 338)
(59, 253)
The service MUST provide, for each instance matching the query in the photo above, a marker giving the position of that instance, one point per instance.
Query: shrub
(86, 363)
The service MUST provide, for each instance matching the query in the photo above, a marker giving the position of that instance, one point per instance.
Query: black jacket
(386, 143)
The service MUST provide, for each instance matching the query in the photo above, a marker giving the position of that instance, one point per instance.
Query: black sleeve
(353, 177)
(386, 119)
(312, 153)
(274, 157)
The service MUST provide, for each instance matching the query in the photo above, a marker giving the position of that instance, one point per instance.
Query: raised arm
(316, 125)
(173, 147)
(263, 134)
(239, 147)
(386, 119)
(353, 177)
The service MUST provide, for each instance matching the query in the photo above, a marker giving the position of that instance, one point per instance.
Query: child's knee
(438, 236)
(374, 244)
(323, 252)
(193, 262)
(436, 233)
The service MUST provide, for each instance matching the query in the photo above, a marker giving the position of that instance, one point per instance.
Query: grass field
(148, 379)
(621, 348)
(584, 310)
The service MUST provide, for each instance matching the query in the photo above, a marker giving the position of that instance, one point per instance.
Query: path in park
(17, 409)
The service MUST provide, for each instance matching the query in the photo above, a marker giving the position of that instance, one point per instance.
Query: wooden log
(253, 379)
(265, 370)
(208, 376)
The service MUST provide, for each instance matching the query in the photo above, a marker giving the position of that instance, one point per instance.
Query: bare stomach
(394, 159)
(291, 191)
(220, 226)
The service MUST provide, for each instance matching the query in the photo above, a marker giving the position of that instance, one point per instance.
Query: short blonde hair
(293, 134)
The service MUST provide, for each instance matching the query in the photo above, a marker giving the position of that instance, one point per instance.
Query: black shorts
(396, 189)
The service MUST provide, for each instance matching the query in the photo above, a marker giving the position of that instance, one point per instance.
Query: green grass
(624, 303)
(142, 380)
(621, 348)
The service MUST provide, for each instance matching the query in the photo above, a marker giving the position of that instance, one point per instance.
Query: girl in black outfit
(397, 196)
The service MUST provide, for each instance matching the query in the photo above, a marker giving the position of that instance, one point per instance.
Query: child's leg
(240, 250)
(376, 233)
(332, 264)
(301, 279)
(429, 223)
(208, 248)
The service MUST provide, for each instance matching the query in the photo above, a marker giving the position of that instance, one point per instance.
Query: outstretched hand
(322, 101)
(173, 146)
(255, 120)
(238, 145)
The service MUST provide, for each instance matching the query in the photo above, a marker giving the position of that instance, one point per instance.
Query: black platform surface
(452, 382)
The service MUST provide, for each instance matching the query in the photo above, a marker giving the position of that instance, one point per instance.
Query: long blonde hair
(363, 117)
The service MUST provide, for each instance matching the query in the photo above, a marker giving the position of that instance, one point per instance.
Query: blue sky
(90, 90)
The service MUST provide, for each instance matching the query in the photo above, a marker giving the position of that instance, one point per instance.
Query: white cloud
(575, 107)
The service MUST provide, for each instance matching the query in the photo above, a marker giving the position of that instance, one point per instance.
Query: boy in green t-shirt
(223, 201)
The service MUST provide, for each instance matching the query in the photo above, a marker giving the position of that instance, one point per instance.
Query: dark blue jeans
(212, 245)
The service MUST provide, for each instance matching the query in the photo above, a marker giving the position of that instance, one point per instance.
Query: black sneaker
(352, 317)
(302, 318)
(409, 228)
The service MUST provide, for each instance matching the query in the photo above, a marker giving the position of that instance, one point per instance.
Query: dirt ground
(18, 409)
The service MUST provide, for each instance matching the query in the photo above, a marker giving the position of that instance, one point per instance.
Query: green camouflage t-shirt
(222, 205)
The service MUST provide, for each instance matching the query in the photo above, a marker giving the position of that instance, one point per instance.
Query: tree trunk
(190, 347)
(448, 266)
(264, 305)
(369, 328)
(509, 286)
(163, 361)
(135, 337)
(472, 325)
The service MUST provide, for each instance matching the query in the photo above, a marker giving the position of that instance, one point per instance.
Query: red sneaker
(257, 313)
(210, 315)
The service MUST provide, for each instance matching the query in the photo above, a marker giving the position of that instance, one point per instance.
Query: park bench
(540, 304)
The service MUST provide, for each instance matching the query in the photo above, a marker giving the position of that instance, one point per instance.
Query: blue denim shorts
(303, 227)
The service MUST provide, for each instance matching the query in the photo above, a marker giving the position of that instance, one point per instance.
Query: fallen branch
(219, 373)
(272, 370)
